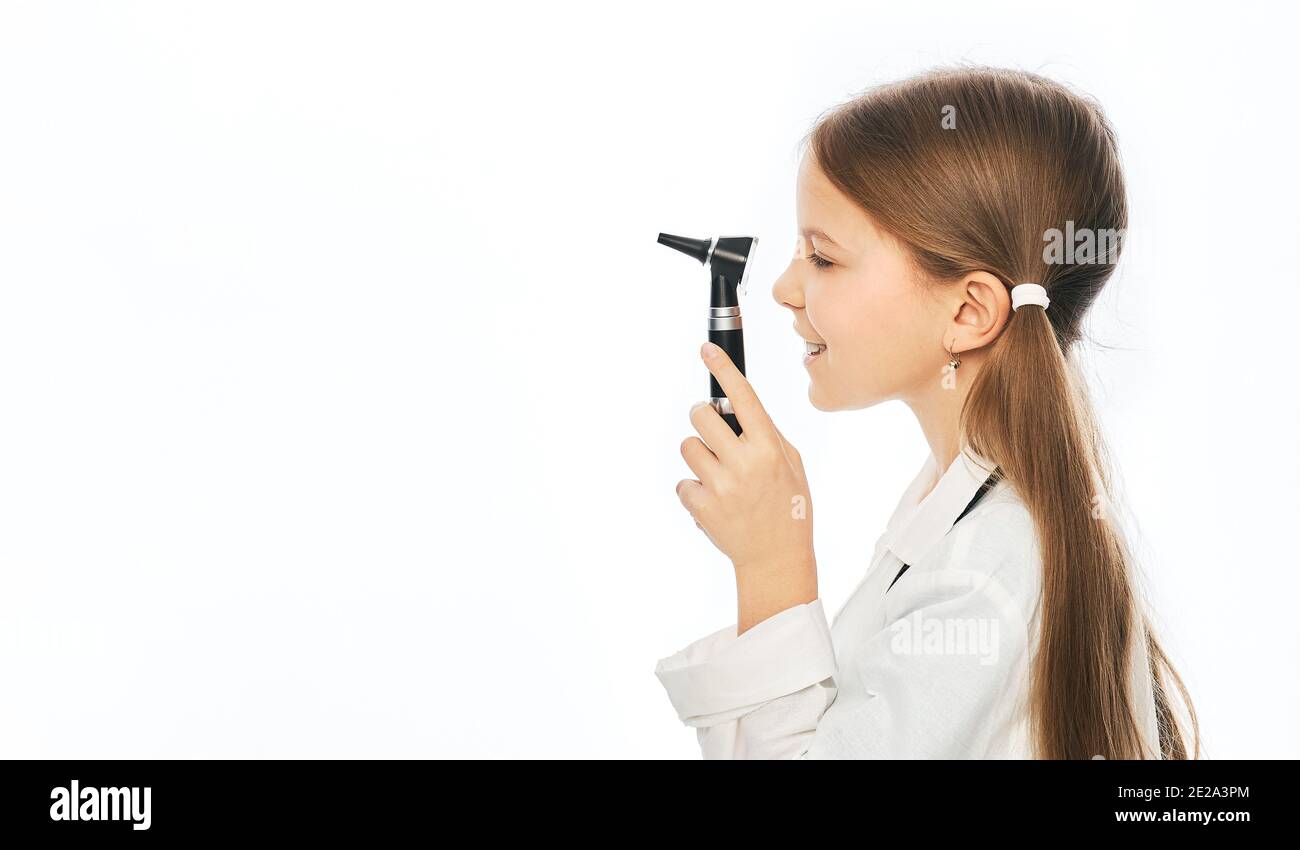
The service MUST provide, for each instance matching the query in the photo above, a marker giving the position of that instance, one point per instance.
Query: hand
(751, 497)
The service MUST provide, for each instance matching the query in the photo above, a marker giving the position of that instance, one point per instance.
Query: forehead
(813, 181)
(823, 207)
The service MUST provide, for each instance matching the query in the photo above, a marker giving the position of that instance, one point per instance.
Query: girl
(1000, 616)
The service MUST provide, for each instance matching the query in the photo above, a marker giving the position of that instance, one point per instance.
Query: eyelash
(819, 262)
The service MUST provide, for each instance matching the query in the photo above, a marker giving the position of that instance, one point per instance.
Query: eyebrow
(821, 234)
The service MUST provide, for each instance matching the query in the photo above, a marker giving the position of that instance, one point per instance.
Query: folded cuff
(721, 672)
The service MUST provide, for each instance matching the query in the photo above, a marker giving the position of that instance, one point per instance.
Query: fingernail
(710, 350)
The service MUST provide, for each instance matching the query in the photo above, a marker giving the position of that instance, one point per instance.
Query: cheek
(876, 329)
(834, 310)
(859, 316)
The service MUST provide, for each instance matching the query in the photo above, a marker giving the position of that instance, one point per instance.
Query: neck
(938, 411)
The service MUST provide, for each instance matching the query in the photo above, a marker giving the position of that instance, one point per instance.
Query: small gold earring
(949, 371)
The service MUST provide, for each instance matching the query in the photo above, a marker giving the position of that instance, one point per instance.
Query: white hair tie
(1028, 293)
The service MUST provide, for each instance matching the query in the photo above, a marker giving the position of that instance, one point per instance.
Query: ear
(980, 308)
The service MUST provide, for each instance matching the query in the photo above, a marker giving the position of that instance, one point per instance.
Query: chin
(819, 400)
(827, 404)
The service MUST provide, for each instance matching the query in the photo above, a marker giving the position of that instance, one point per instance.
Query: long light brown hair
(971, 169)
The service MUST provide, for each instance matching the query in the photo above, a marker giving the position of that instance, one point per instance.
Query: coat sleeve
(759, 695)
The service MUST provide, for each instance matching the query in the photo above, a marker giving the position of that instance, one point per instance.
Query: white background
(343, 379)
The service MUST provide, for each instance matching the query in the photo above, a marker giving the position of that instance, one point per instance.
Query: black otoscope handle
(732, 342)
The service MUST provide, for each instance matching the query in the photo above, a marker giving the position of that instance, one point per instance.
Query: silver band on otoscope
(722, 405)
(724, 318)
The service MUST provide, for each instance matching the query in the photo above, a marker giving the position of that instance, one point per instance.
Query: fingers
(690, 492)
(744, 401)
(703, 462)
(717, 434)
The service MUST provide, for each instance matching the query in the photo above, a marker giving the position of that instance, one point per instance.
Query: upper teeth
(813, 347)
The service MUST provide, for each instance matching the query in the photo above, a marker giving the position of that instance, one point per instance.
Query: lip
(808, 359)
(808, 338)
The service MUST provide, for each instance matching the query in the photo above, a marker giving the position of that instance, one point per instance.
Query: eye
(819, 262)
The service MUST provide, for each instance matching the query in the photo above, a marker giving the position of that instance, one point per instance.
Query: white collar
(916, 527)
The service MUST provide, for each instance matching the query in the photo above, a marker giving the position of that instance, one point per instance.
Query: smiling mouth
(812, 349)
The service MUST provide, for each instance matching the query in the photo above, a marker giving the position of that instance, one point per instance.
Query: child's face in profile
(883, 336)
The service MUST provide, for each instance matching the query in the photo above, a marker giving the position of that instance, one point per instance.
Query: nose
(788, 289)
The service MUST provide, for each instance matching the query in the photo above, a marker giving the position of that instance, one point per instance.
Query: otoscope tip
(697, 248)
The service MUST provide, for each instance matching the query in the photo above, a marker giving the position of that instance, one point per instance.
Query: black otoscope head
(727, 258)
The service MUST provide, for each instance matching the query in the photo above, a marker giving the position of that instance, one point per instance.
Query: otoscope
(727, 258)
